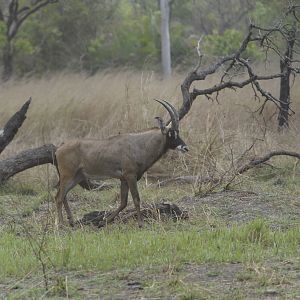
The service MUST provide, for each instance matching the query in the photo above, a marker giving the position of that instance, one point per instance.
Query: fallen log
(26, 160)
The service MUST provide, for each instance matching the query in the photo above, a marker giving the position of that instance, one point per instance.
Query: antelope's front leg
(123, 204)
(132, 182)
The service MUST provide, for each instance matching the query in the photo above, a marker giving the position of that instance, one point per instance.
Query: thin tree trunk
(165, 38)
(283, 115)
(7, 61)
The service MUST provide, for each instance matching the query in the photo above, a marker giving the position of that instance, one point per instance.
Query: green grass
(127, 247)
(213, 255)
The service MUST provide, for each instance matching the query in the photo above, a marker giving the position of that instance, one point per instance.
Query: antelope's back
(98, 159)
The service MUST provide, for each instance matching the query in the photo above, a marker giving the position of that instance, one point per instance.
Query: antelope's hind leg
(66, 183)
(59, 202)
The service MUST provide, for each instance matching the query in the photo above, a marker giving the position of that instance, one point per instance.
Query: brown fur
(125, 157)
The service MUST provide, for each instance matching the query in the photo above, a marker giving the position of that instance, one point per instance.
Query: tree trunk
(7, 61)
(283, 115)
(283, 121)
(165, 38)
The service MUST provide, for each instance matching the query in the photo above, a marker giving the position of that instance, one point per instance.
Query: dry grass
(73, 105)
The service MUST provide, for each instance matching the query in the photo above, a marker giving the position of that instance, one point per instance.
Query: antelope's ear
(161, 125)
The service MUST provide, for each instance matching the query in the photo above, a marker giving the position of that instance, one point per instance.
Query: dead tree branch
(232, 65)
(260, 160)
(11, 127)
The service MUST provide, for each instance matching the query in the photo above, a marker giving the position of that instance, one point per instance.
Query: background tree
(85, 35)
(165, 38)
(217, 16)
(278, 42)
(13, 15)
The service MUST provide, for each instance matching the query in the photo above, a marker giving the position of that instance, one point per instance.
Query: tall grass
(68, 106)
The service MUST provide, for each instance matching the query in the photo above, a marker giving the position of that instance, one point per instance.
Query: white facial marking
(1, 132)
(182, 148)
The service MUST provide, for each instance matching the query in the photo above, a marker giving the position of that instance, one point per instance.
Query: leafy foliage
(85, 35)
(227, 43)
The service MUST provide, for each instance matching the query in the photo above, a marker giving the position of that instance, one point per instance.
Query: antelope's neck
(154, 148)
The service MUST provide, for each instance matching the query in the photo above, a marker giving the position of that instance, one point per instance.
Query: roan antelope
(125, 156)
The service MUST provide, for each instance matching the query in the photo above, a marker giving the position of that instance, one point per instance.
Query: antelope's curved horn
(176, 125)
(172, 111)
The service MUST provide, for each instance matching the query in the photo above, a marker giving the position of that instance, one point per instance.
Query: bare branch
(38, 5)
(263, 159)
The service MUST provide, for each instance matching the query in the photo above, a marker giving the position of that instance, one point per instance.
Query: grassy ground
(238, 244)
(242, 243)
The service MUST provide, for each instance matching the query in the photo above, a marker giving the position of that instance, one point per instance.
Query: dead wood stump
(158, 211)
(12, 126)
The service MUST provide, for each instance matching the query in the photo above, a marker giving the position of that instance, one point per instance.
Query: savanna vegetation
(89, 36)
(92, 70)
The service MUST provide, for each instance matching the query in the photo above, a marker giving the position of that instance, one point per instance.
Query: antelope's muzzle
(182, 148)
